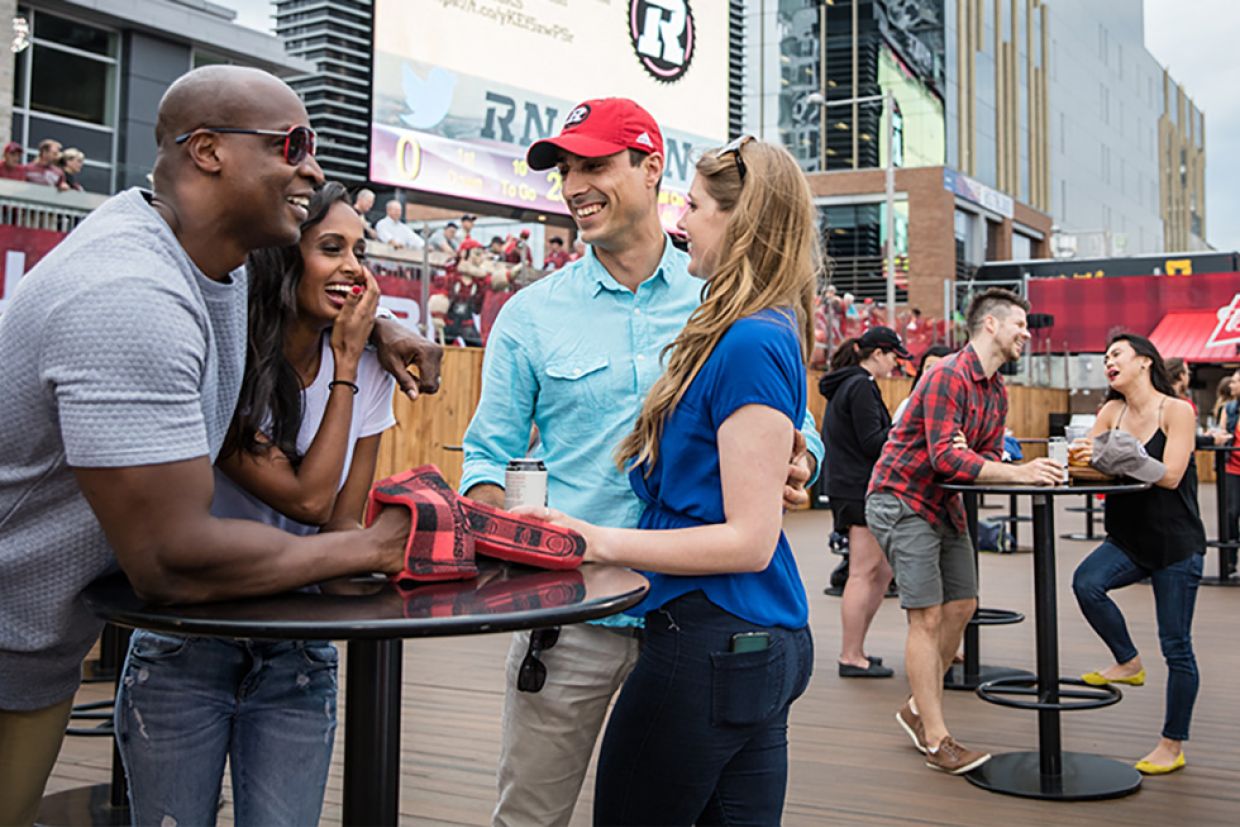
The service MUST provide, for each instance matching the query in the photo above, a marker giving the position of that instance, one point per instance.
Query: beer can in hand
(1057, 449)
(525, 483)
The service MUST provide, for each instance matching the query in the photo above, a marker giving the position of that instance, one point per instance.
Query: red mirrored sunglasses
(298, 140)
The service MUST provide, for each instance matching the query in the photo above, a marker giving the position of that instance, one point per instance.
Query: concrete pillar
(8, 10)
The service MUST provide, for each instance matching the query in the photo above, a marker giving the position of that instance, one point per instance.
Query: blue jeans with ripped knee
(186, 704)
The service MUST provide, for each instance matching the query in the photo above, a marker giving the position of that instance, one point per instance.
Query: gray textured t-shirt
(115, 351)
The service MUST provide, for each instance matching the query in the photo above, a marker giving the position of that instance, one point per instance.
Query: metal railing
(44, 208)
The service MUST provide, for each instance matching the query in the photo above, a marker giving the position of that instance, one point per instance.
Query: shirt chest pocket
(580, 381)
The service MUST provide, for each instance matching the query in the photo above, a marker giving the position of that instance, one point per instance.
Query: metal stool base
(1084, 777)
(72, 808)
(957, 680)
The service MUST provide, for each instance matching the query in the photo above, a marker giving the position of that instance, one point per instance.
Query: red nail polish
(357, 289)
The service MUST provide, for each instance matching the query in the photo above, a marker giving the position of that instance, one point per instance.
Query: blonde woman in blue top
(699, 733)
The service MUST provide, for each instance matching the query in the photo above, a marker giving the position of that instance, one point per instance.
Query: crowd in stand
(470, 280)
(53, 167)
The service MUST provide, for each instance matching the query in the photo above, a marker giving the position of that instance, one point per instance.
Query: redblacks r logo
(663, 34)
(577, 116)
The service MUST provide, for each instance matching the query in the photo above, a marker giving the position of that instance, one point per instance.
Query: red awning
(1185, 334)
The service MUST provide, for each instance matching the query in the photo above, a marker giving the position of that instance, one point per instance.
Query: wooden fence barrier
(430, 429)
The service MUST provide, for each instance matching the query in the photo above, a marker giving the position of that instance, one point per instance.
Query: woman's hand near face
(352, 327)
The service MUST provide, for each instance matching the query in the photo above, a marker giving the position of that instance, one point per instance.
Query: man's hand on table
(1040, 471)
(400, 349)
(390, 533)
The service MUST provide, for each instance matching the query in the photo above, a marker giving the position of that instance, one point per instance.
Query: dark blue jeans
(699, 734)
(1175, 596)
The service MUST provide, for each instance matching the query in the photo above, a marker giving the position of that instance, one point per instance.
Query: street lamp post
(889, 250)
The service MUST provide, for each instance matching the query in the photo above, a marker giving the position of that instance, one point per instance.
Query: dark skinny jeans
(699, 734)
(1175, 596)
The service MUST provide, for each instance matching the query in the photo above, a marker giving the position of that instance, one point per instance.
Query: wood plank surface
(849, 762)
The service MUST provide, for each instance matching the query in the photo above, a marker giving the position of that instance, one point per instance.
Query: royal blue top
(757, 362)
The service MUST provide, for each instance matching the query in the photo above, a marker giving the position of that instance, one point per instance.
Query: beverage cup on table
(1057, 450)
(525, 483)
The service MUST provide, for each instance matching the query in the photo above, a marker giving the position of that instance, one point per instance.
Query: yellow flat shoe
(1096, 679)
(1148, 768)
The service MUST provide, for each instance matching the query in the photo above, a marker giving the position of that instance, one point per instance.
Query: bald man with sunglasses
(121, 356)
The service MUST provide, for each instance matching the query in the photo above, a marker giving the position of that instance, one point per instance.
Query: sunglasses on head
(533, 673)
(734, 148)
(298, 140)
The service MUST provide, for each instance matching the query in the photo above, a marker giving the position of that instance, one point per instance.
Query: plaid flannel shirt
(955, 395)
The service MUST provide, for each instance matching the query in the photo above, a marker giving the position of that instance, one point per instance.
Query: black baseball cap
(883, 338)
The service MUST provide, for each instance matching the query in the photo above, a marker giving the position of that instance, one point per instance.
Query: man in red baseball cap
(576, 352)
(12, 166)
(600, 127)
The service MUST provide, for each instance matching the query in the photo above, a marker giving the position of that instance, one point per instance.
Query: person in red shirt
(44, 170)
(558, 256)
(12, 167)
(951, 431)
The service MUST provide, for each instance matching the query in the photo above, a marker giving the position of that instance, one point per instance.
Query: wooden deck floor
(850, 763)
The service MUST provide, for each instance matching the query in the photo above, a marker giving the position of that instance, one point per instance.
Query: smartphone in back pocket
(751, 641)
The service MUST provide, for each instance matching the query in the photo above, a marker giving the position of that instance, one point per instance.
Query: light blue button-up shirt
(575, 354)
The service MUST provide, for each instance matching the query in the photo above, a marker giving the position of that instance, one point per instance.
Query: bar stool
(1091, 514)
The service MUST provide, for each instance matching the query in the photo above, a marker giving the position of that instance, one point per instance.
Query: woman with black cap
(853, 432)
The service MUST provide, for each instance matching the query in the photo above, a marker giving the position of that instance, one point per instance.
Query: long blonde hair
(769, 258)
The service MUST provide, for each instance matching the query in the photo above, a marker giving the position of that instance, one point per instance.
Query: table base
(1085, 777)
(82, 807)
(1220, 581)
(956, 677)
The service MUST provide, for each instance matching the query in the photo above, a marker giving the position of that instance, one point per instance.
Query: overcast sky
(1196, 39)
(257, 14)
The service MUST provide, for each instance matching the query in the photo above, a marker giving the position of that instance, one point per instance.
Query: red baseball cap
(599, 127)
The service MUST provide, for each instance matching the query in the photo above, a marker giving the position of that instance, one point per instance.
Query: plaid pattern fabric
(448, 529)
(955, 395)
(439, 547)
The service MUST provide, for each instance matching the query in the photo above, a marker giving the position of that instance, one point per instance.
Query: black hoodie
(853, 430)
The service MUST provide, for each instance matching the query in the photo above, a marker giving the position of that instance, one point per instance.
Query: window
(65, 87)
(71, 86)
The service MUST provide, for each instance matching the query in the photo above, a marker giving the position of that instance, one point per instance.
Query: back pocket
(747, 688)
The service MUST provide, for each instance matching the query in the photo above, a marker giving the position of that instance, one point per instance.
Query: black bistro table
(1225, 543)
(374, 616)
(1051, 773)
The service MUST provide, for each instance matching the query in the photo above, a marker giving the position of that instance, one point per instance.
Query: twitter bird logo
(428, 99)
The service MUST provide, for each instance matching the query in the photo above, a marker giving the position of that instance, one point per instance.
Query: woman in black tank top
(1155, 533)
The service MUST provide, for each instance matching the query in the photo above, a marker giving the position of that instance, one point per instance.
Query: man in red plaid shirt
(952, 431)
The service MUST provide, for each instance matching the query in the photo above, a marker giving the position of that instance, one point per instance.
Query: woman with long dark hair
(853, 433)
(1155, 533)
(300, 455)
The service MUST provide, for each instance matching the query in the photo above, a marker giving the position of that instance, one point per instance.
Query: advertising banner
(462, 87)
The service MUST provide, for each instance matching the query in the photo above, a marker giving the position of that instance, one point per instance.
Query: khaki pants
(548, 736)
(29, 743)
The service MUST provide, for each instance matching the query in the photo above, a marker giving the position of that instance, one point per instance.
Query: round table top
(1229, 447)
(1076, 488)
(503, 597)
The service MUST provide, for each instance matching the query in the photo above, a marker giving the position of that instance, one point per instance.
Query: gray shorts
(932, 566)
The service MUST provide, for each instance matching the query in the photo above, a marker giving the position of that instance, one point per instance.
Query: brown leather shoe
(953, 758)
(910, 722)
